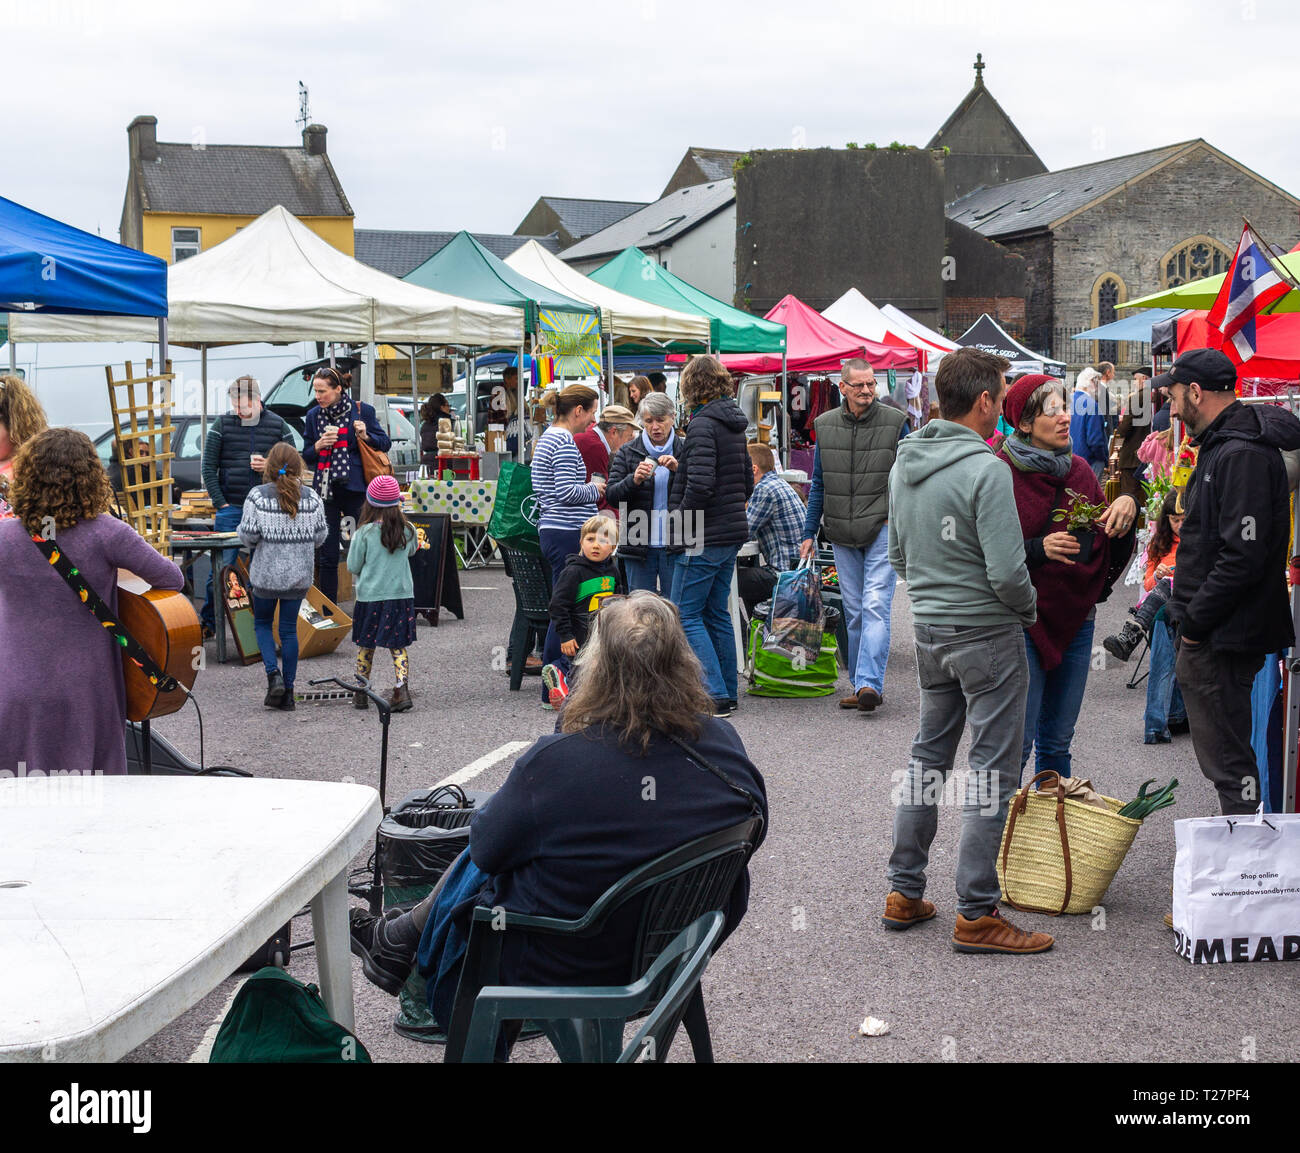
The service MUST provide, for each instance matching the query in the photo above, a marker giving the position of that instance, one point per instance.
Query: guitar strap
(131, 647)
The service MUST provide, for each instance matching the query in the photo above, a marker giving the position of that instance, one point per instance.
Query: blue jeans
(701, 586)
(1164, 697)
(1053, 705)
(867, 581)
(263, 615)
(226, 520)
(558, 544)
(654, 573)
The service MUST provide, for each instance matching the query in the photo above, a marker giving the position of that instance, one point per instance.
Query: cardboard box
(393, 376)
(317, 633)
(347, 590)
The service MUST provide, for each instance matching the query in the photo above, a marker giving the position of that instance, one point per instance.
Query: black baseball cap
(1207, 367)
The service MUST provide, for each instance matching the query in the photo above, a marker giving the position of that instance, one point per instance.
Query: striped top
(559, 478)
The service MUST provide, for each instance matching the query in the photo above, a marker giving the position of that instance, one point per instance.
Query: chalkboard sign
(239, 610)
(433, 568)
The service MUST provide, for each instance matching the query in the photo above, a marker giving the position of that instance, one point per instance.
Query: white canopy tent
(856, 313)
(916, 327)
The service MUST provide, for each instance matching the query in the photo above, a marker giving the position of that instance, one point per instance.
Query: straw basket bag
(1059, 855)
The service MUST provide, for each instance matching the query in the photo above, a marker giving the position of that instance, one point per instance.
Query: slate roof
(715, 163)
(581, 218)
(398, 253)
(240, 180)
(658, 223)
(1035, 202)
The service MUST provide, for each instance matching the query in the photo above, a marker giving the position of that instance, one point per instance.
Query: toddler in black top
(589, 576)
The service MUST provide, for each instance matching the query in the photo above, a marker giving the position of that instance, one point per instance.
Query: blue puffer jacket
(314, 423)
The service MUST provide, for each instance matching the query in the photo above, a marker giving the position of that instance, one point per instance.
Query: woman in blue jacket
(332, 430)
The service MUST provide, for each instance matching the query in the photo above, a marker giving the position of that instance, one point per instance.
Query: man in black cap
(1230, 595)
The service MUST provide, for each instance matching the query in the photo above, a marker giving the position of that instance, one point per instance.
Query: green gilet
(857, 454)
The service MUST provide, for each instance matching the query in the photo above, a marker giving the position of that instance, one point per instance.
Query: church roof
(1038, 202)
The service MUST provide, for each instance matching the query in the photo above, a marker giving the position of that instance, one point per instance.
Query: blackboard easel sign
(238, 604)
(433, 569)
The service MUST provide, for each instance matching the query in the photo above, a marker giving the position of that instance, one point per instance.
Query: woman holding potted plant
(1072, 562)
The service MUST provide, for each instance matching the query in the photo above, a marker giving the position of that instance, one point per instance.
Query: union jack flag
(1253, 283)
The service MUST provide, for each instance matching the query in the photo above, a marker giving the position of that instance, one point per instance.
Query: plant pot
(1085, 537)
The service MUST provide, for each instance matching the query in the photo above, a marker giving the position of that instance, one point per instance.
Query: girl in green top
(379, 557)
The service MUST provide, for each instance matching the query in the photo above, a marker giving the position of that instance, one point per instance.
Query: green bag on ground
(775, 675)
(515, 512)
(275, 1019)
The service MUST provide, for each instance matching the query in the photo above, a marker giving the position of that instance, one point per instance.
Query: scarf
(659, 509)
(1067, 593)
(1030, 458)
(334, 464)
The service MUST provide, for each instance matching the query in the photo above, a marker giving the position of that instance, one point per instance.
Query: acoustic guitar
(167, 627)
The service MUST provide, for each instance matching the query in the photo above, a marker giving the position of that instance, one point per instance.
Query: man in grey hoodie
(954, 538)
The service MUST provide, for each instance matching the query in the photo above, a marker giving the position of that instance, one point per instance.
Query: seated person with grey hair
(639, 473)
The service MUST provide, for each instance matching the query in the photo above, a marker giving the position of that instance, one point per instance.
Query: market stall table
(187, 549)
(124, 901)
(469, 503)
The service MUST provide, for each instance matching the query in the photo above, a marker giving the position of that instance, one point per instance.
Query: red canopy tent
(815, 344)
(1278, 344)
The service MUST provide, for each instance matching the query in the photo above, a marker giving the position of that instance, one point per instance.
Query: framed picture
(238, 602)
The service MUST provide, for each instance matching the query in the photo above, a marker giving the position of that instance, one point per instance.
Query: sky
(453, 116)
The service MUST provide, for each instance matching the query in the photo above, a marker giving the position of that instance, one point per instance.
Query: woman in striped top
(565, 499)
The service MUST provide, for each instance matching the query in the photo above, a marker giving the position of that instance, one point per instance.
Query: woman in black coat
(707, 501)
(640, 476)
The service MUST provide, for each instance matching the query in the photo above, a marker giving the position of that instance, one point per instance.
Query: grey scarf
(1030, 458)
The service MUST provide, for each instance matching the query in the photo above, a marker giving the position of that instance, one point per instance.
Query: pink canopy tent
(1278, 343)
(815, 344)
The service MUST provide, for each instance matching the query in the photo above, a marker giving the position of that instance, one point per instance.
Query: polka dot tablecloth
(467, 501)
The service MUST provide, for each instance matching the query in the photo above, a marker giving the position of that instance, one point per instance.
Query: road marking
(472, 770)
(204, 1051)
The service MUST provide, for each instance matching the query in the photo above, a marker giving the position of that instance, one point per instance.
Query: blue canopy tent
(1136, 327)
(49, 266)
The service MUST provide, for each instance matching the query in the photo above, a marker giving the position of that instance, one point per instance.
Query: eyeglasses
(862, 384)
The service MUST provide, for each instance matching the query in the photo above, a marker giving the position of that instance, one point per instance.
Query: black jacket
(578, 591)
(226, 472)
(634, 502)
(1230, 582)
(713, 478)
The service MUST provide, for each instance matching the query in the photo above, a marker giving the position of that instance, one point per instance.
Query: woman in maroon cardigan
(1070, 582)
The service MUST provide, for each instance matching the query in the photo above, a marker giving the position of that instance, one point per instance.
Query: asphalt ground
(811, 959)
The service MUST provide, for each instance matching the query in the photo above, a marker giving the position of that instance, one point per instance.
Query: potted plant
(1080, 518)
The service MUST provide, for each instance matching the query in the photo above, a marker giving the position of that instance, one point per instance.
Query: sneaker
(904, 912)
(383, 963)
(274, 690)
(868, 699)
(399, 700)
(1128, 638)
(554, 679)
(548, 707)
(995, 934)
(723, 708)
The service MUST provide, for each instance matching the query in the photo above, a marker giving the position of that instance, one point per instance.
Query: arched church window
(1194, 259)
(1108, 296)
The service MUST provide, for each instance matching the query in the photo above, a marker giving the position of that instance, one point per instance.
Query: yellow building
(181, 199)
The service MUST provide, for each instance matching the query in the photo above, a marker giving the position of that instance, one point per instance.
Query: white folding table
(125, 900)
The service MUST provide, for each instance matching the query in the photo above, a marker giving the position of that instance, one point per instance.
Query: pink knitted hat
(384, 492)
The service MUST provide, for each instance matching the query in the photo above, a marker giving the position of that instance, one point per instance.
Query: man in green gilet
(856, 446)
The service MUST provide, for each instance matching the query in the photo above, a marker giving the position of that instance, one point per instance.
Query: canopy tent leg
(471, 397)
(785, 412)
(415, 398)
(13, 353)
(1291, 721)
(203, 401)
(368, 376)
(519, 406)
(609, 380)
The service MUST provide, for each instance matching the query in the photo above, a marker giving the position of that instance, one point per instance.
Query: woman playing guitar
(62, 693)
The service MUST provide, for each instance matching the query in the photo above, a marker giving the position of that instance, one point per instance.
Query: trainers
(383, 963)
(868, 699)
(1128, 638)
(995, 934)
(904, 912)
(723, 708)
(554, 679)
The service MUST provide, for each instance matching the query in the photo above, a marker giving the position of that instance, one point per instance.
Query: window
(1107, 299)
(666, 225)
(185, 243)
(1194, 259)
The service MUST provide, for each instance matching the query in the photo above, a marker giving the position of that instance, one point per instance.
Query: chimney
(313, 139)
(142, 135)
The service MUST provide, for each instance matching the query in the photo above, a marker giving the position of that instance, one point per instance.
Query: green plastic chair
(657, 901)
(586, 1023)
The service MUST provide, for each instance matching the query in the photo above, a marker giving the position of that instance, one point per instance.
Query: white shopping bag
(1237, 888)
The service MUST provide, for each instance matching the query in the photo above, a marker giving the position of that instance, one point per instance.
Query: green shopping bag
(515, 513)
(775, 675)
(277, 1020)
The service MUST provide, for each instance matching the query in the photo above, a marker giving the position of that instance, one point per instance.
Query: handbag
(796, 619)
(373, 462)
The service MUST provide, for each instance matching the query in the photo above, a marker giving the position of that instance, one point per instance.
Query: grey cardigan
(284, 547)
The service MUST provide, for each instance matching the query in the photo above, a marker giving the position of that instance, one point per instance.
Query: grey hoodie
(954, 534)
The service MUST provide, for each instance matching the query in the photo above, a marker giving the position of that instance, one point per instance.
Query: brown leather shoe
(849, 702)
(868, 699)
(533, 665)
(995, 934)
(1169, 920)
(904, 912)
(399, 700)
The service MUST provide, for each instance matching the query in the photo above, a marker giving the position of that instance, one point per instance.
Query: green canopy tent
(1202, 293)
(568, 329)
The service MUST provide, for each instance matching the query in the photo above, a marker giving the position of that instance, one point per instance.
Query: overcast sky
(459, 115)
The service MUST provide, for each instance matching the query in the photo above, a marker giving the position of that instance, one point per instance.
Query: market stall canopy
(276, 281)
(1277, 339)
(47, 266)
(731, 330)
(856, 313)
(819, 345)
(988, 335)
(915, 326)
(626, 317)
(464, 267)
(1201, 293)
(1136, 327)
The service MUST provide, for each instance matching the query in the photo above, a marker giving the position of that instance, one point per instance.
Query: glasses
(1054, 410)
(862, 384)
